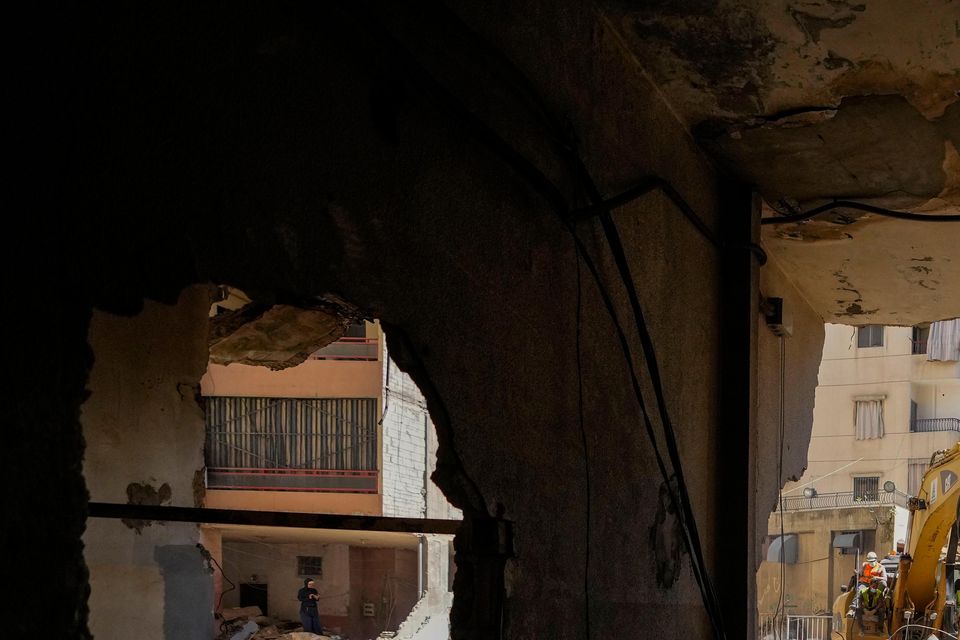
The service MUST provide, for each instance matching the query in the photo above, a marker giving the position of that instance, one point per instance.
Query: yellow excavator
(922, 601)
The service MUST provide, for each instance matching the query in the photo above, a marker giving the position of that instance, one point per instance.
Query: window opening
(866, 489)
(919, 340)
(310, 566)
(869, 418)
(870, 336)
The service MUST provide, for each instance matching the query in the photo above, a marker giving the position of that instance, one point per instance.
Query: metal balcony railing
(794, 627)
(924, 425)
(843, 499)
(919, 347)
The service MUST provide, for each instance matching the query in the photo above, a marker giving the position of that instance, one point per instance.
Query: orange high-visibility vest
(869, 572)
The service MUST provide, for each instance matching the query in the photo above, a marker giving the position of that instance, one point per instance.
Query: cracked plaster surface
(733, 59)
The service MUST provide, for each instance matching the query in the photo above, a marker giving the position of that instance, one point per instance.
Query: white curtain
(915, 470)
(869, 419)
(943, 342)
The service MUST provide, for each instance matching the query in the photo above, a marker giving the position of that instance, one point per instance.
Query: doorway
(254, 594)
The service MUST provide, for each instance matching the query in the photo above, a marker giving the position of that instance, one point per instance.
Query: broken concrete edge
(279, 335)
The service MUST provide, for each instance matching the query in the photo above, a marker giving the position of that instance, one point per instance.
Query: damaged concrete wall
(800, 359)
(301, 151)
(145, 432)
(405, 426)
(788, 397)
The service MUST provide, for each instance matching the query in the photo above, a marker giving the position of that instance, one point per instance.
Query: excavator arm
(924, 594)
(924, 591)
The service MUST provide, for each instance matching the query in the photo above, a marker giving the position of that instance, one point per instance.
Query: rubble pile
(249, 623)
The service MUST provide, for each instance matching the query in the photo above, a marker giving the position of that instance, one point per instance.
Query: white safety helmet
(871, 557)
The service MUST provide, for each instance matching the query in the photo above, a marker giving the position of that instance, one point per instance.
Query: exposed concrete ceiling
(733, 59)
(858, 274)
(815, 100)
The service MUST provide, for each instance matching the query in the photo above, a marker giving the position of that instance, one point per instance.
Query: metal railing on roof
(843, 499)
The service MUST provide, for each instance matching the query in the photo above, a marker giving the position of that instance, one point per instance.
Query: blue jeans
(310, 620)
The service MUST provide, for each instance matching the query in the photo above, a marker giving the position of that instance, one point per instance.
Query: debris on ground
(249, 623)
(235, 613)
(247, 630)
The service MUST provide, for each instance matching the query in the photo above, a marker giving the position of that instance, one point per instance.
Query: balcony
(927, 425)
(292, 444)
(843, 500)
(266, 479)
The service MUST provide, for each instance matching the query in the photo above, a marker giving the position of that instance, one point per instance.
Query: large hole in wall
(887, 401)
(222, 401)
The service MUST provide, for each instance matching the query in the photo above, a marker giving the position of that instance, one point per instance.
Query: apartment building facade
(888, 397)
(344, 432)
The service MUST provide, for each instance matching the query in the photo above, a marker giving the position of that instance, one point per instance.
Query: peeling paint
(725, 54)
(666, 540)
(199, 488)
(834, 61)
(856, 310)
(928, 92)
(145, 493)
(812, 25)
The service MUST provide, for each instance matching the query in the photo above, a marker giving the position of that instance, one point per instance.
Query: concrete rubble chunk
(277, 337)
(303, 635)
(236, 613)
(246, 631)
(266, 633)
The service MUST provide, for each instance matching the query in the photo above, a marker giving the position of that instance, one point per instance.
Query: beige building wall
(848, 372)
(813, 582)
(836, 458)
(310, 379)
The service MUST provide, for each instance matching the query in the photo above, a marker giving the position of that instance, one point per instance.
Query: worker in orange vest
(871, 569)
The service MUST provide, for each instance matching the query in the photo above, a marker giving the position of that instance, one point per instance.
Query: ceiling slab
(731, 59)
(878, 149)
(818, 100)
(873, 270)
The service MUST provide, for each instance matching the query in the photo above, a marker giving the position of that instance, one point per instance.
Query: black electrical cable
(781, 432)
(656, 183)
(860, 206)
(682, 500)
(687, 518)
(586, 451)
(646, 185)
(552, 194)
(209, 558)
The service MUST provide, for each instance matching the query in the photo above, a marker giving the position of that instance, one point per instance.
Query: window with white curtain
(869, 417)
(916, 467)
(943, 342)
